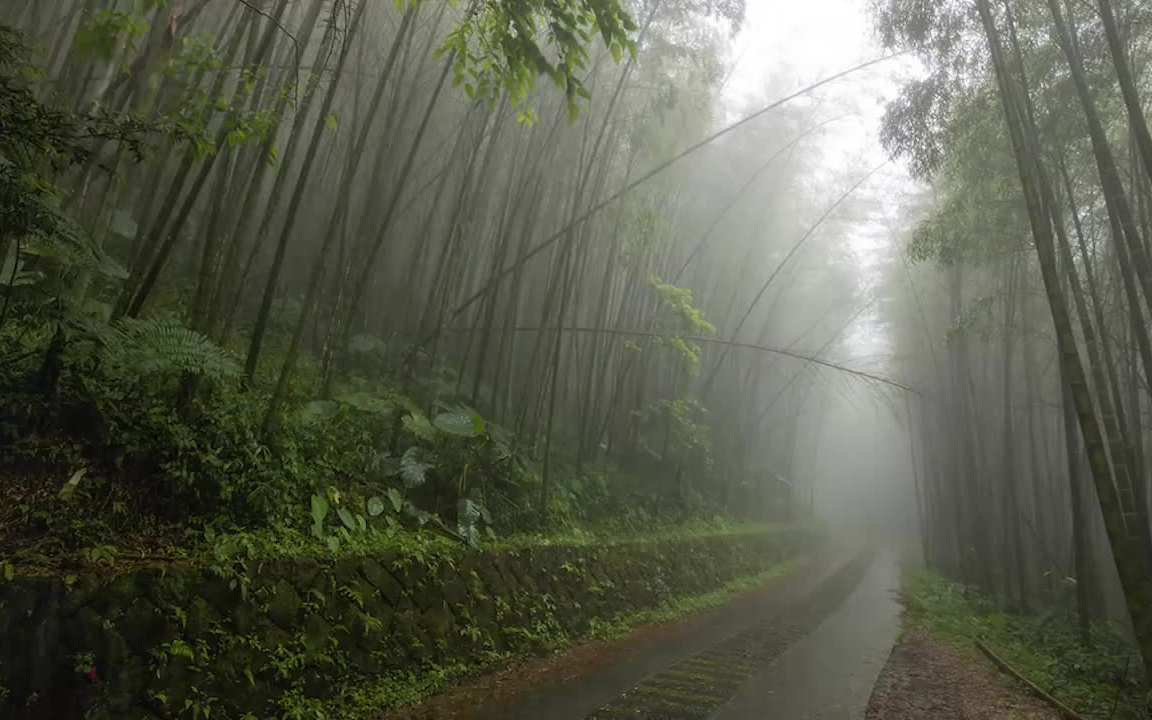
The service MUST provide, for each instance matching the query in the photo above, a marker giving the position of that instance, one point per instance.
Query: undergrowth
(623, 531)
(678, 607)
(1099, 680)
(143, 447)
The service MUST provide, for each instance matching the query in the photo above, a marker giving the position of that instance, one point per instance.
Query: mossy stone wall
(290, 634)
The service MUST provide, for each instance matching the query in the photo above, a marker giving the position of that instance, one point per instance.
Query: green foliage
(643, 230)
(197, 52)
(396, 499)
(501, 48)
(319, 511)
(165, 346)
(413, 467)
(677, 606)
(419, 426)
(976, 319)
(686, 417)
(1099, 680)
(678, 301)
(376, 507)
(461, 422)
(106, 32)
(38, 141)
(685, 320)
(639, 531)
(469, 513)
(137, 431)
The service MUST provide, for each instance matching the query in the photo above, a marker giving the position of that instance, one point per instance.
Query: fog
(596, 267)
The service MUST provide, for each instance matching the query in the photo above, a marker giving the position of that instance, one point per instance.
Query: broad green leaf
(461, 422)
(396, 498)
(375, 506)
(468, 520)
(347, 518)
(70, 486)
(413, 468)
(319, 509)
(109, 268)
(468, 511)
(418, 425)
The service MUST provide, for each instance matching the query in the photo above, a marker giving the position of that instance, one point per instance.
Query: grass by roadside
(677, 607)
(206, 547)
(1098, 680)
(617, 534)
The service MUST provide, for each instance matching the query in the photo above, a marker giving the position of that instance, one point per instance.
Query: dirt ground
(926, 678)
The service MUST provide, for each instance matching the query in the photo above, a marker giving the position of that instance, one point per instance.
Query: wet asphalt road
(812, 651)
(829, 674)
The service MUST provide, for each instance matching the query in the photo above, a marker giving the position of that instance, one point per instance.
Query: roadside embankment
(293, 637)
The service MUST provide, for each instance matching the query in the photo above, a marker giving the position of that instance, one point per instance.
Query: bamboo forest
(575, 359)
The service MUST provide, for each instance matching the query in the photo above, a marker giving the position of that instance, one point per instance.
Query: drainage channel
(694, 688)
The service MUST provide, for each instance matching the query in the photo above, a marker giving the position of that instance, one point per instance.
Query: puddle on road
(694, 688)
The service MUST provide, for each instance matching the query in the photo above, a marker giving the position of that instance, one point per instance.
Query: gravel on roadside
(926, 679)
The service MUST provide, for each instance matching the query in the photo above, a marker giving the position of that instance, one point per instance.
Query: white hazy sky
(813, 38)
(785, 45)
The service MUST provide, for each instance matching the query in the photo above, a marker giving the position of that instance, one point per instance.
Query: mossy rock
(409, 573)
(141, 625)
(284, 606)
(218, 592)
(199, 617)
(317, 635)
(454, 588)
(377, 575)
(247, 619)
(439, 622)
(497, 577)
(306, 572)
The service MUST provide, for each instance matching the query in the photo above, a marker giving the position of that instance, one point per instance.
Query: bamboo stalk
(1036, 690)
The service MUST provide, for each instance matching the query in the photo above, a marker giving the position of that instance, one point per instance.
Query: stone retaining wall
(286, 635)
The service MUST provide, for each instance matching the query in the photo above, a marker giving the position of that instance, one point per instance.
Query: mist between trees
(1028, 122)
(507, 266)
(272, 258)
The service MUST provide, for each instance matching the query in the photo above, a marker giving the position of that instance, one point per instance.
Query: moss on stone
(244, 637)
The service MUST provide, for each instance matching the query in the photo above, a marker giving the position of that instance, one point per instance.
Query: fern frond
(165, 345)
